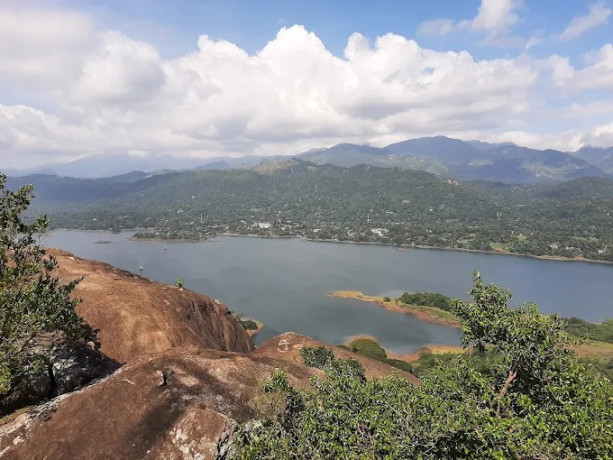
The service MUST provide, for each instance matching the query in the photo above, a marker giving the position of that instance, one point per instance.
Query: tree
(36, 310)
(519, 394)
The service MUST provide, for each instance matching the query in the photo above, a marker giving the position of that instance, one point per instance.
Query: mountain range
(465, 160)
(472, 160)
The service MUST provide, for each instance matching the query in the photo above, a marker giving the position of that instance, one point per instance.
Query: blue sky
(174, 26)
(209, 78)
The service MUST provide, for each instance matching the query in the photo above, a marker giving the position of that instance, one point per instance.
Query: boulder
(69, 367)
(137, 316)
(181, 404)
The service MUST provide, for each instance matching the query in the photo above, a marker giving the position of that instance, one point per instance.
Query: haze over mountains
(466, 160)
(108, 165)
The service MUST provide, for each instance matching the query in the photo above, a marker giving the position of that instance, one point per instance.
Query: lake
(283, 282)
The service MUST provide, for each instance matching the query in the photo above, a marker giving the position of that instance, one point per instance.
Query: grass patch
(431, 315)
(592, 348)
(601, 366)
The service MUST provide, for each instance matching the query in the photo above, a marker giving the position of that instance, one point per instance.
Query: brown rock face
(137, 316)
(286, 347)
(179, 404)
(191, 375)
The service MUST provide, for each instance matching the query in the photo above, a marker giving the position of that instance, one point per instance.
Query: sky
(207, 78)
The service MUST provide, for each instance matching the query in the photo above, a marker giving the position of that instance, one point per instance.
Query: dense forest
(359, 204)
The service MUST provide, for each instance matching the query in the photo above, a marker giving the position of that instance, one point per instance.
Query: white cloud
(565, 141)
(120, 71)
(494, 15)
(42, 47)
(597, 74)
(598, 15)
(26, 129)
(494, 18)
(439, 27)
(105, 92)
(601, 136)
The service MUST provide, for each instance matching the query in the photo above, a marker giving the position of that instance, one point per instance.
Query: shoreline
(435, 349)
(475, 251)
(401, 248)
(427, 314)
(582, 349)
(164, 240)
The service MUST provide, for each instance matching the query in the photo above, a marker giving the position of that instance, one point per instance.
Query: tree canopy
(36, 309)
(520, 393)
(362, 204)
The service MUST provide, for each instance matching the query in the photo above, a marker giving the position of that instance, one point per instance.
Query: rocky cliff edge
(190, 375)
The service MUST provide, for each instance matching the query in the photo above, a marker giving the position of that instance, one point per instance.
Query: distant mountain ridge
(464, 160)
(600, 157)
(102, 166)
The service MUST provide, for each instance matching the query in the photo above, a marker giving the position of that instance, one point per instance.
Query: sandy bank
(427, 314)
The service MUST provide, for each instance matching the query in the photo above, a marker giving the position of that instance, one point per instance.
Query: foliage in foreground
(35, 308)
(530, 399)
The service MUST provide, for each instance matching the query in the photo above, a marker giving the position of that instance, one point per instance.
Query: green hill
(361, 203)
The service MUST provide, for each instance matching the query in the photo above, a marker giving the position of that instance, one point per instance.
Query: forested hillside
(362, 203)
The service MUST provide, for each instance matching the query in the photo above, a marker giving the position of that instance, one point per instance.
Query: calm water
(283, 282)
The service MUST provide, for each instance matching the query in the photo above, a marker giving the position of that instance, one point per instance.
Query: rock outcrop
(137, 316)
(286, 347)
(182, 403)
(69, 367)
(191, 375)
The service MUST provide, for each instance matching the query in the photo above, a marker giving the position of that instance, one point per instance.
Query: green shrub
(368, 348)
(602, 332)
(427, 299)
(249, 324)
(372, 350)
(522, 395)
(318, 357)
(34, 305)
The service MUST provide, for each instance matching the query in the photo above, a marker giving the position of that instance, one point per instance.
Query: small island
(429, 307)
(588, 340)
